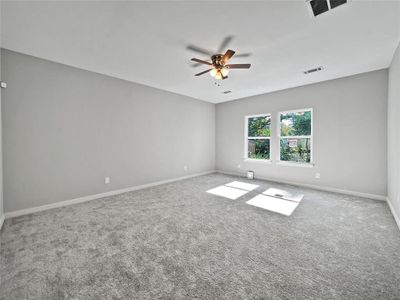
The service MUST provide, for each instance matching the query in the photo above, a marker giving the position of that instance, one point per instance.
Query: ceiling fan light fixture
(213, 72)
(224, 72)
(219, 68)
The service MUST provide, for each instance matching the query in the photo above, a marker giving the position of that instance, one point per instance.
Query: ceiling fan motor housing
(219, 65)
(217, 60)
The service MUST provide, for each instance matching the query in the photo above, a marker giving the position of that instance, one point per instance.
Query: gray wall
(65, 129)
(394, 134)
(349, 133)
(1, 144)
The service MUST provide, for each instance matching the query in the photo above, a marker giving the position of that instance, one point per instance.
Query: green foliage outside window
(295, 124)
(295, 143)
(259, 126)
(299, 153)
(296, 149)
(258, 149)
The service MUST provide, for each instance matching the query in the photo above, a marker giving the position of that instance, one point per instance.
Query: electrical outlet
(317, 175)
(107, 180)
(185, 168)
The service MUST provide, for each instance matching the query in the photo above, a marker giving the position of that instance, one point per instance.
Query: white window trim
(293, 163)
(259, 161)
(246, 138)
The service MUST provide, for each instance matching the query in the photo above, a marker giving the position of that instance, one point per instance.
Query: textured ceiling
(146, 42)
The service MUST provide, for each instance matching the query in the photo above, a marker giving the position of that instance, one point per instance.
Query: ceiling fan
(219, 65)
(221, 49)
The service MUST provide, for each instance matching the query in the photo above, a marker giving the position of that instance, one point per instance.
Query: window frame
(246, 138)
(294, 163)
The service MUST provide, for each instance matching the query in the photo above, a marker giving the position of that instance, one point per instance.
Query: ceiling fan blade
(243, 55)
(224, 77)
(225, 43)
(238, 66)
(201, 61)
(204, 72)
(199, 50)
(196, 65)
(228, 54)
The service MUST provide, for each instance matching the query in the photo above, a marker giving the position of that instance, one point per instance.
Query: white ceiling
(145, 42)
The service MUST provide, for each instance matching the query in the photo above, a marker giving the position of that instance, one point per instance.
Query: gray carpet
(178, 242)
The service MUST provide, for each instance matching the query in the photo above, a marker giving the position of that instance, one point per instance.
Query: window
(296, 136)
(258, 134)
(321, 6)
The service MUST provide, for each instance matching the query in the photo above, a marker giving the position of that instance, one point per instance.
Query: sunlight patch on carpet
(284, 194)
(274, 204)
(227, 192)
(242, 185)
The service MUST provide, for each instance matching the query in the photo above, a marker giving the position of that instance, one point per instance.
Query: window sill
(253, 160)
(295, 164)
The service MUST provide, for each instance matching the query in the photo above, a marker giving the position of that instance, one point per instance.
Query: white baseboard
(395, 216)
(315, 187)
(31, 210)
(2, 217)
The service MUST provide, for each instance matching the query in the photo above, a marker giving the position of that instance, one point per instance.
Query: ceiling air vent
(320, 6)
(226, 92)
(313, 70)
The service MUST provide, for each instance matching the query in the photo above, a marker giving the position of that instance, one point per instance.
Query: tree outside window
(296, 136)
(258, 134)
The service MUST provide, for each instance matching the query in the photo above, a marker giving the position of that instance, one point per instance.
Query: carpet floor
(176, 241)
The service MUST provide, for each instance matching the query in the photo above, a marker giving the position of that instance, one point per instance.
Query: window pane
(259, 126)
(258, 149)
(297, 150)
(297, 123)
